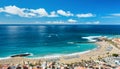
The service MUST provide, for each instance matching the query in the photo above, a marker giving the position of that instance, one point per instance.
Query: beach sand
(100, 52)
(103, 48)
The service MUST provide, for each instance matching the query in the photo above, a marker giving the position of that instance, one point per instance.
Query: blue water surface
(42, 40)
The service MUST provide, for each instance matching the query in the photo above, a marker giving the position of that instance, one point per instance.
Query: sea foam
(91, 38)
(5, 58)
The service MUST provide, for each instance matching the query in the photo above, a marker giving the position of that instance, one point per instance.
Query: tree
(115, 55)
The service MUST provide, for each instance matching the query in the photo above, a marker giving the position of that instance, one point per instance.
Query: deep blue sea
(45, 40)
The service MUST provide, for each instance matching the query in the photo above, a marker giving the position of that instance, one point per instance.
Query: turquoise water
(50, 40)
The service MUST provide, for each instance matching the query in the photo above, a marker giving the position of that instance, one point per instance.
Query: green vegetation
(115, 55)
(31, 64)
(108, 54)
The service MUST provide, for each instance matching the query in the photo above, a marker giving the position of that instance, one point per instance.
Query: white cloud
(63, 13)
(115, 14)
(41, 12)
(107, 17)
(24, 12)
(37, 22)
(53, 14)
(95, 22)
(72, 21)
(1, 9)
(85, 15)
(14, 10)
(55, 22)
(112, 15)
(30, 14)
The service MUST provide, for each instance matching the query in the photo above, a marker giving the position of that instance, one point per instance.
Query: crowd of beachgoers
(57, 65)
(44, 65)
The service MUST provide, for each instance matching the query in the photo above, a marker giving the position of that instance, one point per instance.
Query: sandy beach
(101, 51)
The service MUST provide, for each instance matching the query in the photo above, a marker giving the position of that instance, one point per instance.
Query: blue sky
(60, 11)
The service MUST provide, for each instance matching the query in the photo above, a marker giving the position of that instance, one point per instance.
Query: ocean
(51, 40)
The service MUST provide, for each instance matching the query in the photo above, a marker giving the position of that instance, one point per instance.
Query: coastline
(100, 51)
(54, 55)
(44, 58)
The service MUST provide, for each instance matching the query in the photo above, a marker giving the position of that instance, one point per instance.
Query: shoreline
(53, 56)
(93, 54)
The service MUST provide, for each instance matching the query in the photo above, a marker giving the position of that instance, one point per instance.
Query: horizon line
(53, 24)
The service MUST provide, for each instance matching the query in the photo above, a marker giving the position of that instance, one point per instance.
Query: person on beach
(9, 67)
(25, 67)
(44, 65)
(12, 66)
(19, 67)
(5, 66)
(0, 66)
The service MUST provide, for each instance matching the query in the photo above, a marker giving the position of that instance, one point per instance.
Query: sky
(59, 11)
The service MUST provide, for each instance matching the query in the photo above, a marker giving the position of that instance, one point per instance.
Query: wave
(70, 42)
(92, 38)
(78, 53)
(54, 56)
(5, 58)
